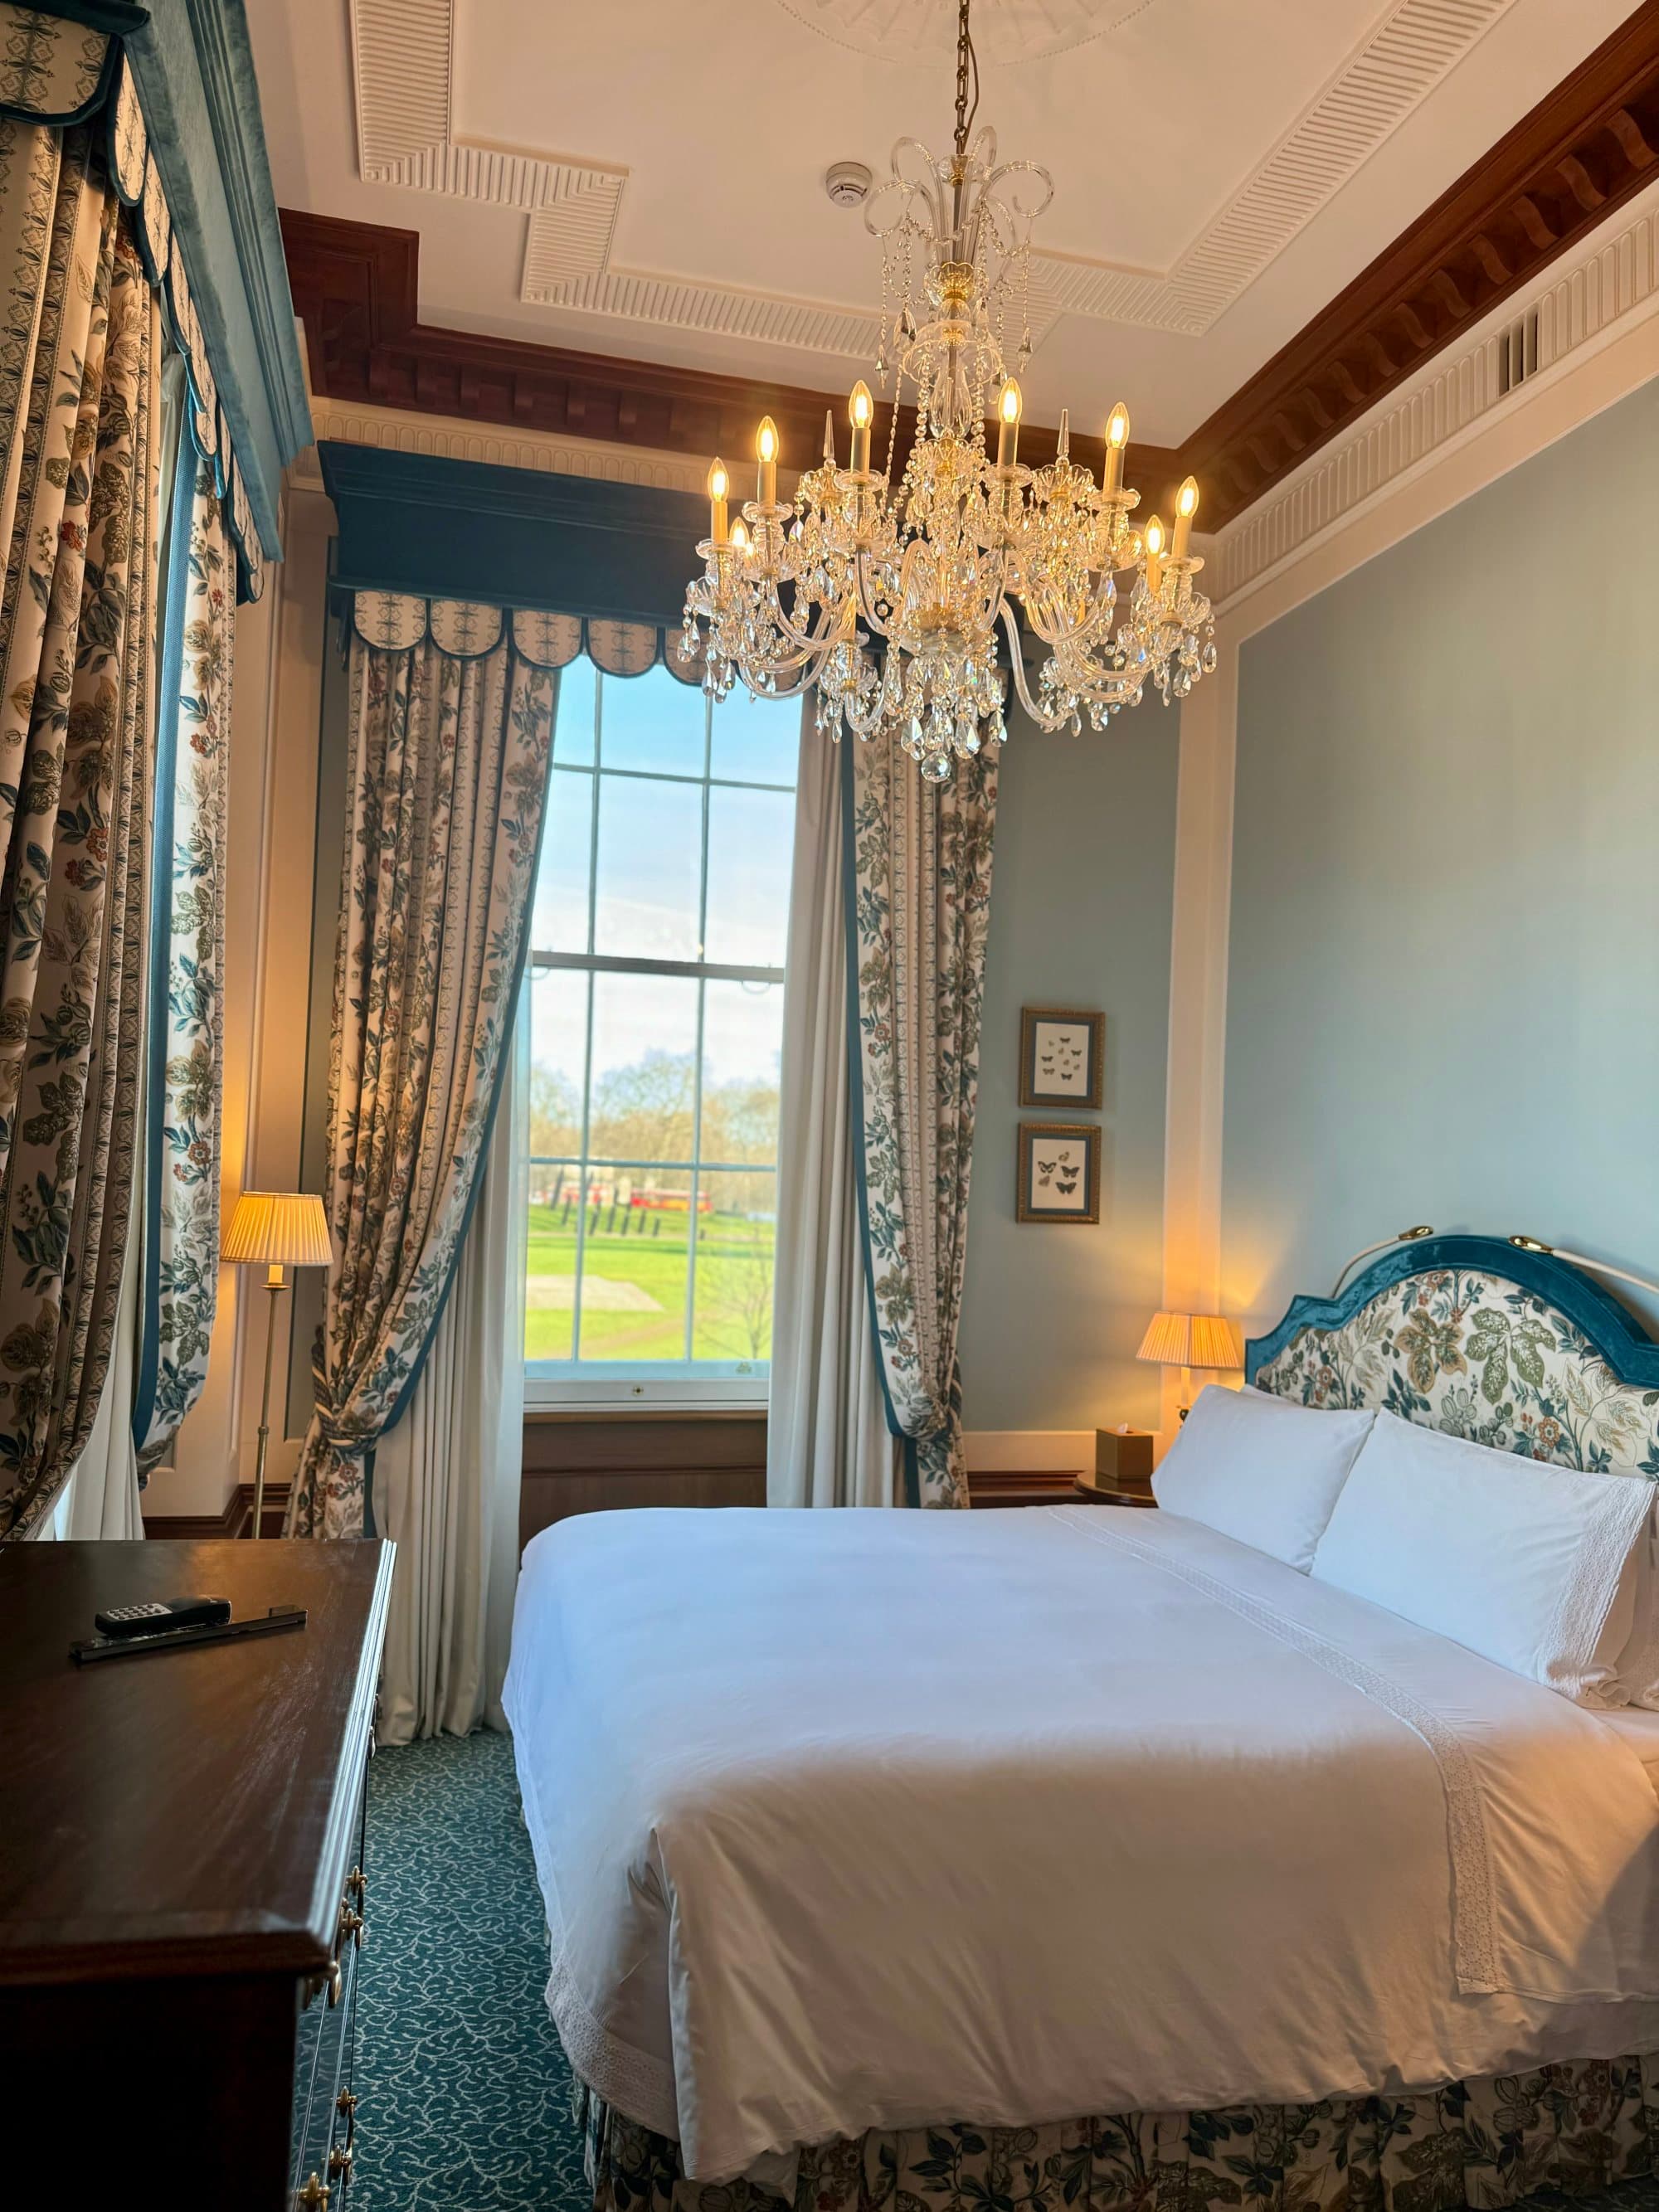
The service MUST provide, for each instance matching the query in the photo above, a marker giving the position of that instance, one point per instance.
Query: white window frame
(688, 1384)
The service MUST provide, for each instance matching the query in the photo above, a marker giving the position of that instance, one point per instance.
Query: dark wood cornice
(1592, 143)
(1562, 168)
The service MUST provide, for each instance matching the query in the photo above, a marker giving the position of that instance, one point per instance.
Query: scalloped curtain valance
(60, 71)
(468, 629)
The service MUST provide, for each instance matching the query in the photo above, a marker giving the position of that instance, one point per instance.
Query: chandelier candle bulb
(1186, 508)
(861, 412)
(1154, 555)
(1117, 437)
(1009, 408)
(719, 485)
(766, 452)
(741, 539)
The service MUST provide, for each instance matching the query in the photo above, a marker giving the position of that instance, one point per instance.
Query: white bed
(855, 1821)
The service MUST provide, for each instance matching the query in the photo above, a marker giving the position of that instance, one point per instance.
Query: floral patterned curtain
(187, 1017)
(919, 898)
(79, 414)
(449, 755)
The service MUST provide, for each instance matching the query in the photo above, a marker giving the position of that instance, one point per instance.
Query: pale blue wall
(1081, 908)
(1444, 987)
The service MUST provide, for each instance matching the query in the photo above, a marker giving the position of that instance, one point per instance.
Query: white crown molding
(403, 53)
(1588, 302)
(447, 439)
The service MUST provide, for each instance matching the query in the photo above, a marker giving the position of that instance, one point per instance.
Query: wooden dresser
(181, 1876)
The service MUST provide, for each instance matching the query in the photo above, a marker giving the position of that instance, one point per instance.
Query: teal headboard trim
(1472, 1335)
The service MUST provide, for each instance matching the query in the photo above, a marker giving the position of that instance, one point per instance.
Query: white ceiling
(646, 178)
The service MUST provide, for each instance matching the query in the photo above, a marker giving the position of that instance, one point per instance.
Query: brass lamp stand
(284, 1229)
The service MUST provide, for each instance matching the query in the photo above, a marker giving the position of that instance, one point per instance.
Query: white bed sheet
(866, 1819)
(1640, 1730)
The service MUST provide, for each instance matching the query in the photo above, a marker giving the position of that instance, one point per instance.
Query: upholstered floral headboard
(1514, 1349)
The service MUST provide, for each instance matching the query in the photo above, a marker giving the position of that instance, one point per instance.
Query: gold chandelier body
(793, 594)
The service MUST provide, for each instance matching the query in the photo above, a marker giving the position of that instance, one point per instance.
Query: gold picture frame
(1057, 1176)
(1062, 1057)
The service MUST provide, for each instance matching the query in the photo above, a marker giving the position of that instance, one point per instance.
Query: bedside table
(1094, 1493)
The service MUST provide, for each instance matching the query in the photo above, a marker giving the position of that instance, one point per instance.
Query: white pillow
(1637, 1668)
(1261, 1469)
(1532, 1565)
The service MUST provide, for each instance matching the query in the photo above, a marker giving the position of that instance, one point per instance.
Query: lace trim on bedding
(632, 2080)
(1475, 1947)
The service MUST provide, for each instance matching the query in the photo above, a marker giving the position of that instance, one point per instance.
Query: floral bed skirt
(1576, 2129)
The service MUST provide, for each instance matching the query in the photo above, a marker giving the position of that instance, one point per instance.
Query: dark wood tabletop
(172, 1813)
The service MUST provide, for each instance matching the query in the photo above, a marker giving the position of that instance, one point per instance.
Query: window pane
(751, 845)
(644, 1048)
(572, 732)
(559, 922)
(736, 1231)
(742, 1053)
(550, 1297)
(650, 869)
(652, 723)
(558, 1053)
(757, 740)
(634, 1267)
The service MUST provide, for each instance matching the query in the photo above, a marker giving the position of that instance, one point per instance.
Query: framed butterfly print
(1059, 1175)
(1061, 1057)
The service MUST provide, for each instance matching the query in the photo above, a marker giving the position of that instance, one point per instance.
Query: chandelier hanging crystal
(793, 595)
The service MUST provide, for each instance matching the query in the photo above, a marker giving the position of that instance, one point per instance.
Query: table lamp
(1189, 1340)
(284, 1229)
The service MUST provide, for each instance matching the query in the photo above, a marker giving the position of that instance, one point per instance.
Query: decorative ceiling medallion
(925, 30)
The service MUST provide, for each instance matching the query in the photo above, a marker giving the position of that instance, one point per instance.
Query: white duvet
(866, 1819)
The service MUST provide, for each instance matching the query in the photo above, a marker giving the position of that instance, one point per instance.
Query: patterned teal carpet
(465, 2095)
(465, 2092)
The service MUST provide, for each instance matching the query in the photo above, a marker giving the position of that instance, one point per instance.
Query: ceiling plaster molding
(1590, 303)
(1387, 77)
(403, 53)
(1538, 197)
(448, 438)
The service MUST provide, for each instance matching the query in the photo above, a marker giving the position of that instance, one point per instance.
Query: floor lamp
(282, 1230)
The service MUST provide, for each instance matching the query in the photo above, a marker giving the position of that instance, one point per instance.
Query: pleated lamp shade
(1178, 1339)
(286, 1229)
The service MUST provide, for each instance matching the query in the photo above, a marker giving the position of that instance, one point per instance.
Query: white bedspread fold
(863, 1819)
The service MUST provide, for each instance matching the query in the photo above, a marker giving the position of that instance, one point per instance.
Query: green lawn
(642, 1315)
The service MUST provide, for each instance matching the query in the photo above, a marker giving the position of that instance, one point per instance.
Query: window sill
(636, 1409)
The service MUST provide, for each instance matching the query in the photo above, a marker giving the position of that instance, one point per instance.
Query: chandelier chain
(967, 60)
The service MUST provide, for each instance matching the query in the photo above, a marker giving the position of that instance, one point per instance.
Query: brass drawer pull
(335, 1982)
(339, 2164)
(314, 2195)
(357, 1880)
(351, 1924)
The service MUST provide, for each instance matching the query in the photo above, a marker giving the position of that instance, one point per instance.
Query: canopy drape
(187, 968)
(918, 857)
(448, 765)
(79, 414)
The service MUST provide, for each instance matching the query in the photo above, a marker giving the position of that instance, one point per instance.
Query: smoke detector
(848, 183)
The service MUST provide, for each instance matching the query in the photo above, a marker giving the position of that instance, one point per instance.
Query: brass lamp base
(276, 1284)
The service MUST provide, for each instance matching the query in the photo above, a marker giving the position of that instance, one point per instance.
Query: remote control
(153, 1616)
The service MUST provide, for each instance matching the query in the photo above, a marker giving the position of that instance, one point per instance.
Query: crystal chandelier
(797, 595)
